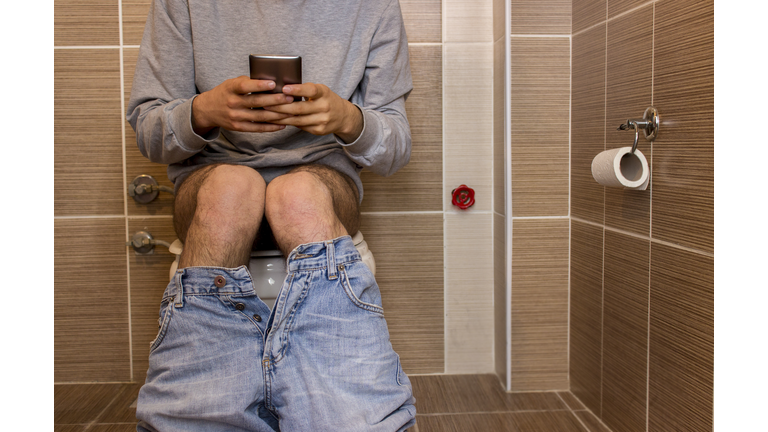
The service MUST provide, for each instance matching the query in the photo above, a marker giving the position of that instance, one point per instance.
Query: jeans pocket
(361, 287)
(166, 308)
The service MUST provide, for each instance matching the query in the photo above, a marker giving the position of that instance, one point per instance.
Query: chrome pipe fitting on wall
(649, 124)
(143, 243)
(144, 189)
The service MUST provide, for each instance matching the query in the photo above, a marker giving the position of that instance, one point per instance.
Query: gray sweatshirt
(357, 48)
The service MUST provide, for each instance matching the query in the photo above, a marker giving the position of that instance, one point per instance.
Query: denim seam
(289, 322)
(245, 316)
(163, 328)
(353, 298)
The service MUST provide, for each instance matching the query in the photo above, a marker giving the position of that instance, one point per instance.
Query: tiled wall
(642, 263)
(438, 302)
(532, 199)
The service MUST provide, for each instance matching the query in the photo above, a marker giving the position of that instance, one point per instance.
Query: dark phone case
(283, 70)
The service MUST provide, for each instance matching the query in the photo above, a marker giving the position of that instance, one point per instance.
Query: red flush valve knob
(463, 197)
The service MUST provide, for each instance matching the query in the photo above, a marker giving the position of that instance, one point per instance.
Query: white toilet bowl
(267, 267)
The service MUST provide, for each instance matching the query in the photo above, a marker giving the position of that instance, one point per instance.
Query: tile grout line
(593, 26)
(125, 192)
(578, 419)
(602, 262)
(642, 237)
(443, 61)
(570, 232)
(508, 221)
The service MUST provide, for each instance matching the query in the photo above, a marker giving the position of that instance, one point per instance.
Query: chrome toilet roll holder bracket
(649, 124)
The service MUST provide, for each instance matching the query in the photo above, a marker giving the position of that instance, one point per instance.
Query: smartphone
(283, 70)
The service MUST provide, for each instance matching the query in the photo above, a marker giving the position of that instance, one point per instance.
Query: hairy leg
(309, 204)
(217, 213)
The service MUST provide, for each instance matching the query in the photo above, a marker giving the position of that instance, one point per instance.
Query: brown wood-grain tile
(500, 297)
(586, 313)
(135, 163)
(539, 304)
(561, 421)
(683, 171)
(418, 186)
(423, 20)
(629, 85)
(85, 23)
(616, 7)
(539, 126)
(121, 409)
(534, 401)
(88, 164)
(149, 278)
(587, 13)
(91, 336)
(440, 394)
(69, 428)
(82, 403)
(588, 123)
(625, 332)
(544, 17)
(571, 401)
(116, 427)
(134, 18)
(681, 379)
(408, 249)
(592, 423)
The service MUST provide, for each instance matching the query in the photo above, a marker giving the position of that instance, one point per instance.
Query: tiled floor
(461, 403)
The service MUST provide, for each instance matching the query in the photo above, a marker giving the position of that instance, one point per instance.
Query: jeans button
(219, 281)
(239, 306)
(257, 317)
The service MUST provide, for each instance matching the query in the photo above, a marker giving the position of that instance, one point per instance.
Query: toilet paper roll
(621, 168)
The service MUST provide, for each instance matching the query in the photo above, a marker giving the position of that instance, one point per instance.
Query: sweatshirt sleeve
(160, 107)
(384, 146)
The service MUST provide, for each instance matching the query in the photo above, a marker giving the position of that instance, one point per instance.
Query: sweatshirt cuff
(181, 121)
(368, 137)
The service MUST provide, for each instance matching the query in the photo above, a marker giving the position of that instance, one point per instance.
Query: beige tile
(681, 372)
(499, 116)
(85, 23)
(91, 338)
(418, 186)
(629, 82)
(539, 304)
(88, 167)
(408, 249)
(544, 17)
(469, 21)
(500, 298)
(586, 313)
(469, 293)
(149, 277)
(683, 171)
(135, 163)
(539, 126)
(587, 13)
(588, 123)
(134, 18)
(468, 148)
(423, 20)
(625, 332)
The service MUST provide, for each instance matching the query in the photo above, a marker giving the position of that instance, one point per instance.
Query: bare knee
(227, 197)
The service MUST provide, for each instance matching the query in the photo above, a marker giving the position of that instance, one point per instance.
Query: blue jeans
(321, 360)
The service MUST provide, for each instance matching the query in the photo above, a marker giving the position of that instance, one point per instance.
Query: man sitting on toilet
(323, 360)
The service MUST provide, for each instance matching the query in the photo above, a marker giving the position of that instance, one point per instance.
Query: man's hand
(229, 104)
(323, 112)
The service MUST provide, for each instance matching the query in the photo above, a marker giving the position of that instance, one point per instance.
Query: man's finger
(307, 90)
(245, 85)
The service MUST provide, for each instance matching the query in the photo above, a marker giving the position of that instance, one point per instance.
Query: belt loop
(179, 290)
(330, 253)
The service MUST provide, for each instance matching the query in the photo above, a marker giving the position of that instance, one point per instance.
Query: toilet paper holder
(649, 124)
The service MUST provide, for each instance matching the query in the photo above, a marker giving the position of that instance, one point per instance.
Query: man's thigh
(343, 192)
